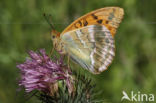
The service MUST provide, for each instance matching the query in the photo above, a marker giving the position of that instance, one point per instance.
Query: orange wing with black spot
(109, 17)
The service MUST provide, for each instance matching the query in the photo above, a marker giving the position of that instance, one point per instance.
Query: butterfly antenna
(47, 18)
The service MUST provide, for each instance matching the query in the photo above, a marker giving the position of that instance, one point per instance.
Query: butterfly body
(89, 40)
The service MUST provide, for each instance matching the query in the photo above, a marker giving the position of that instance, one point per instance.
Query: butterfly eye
(53, 36)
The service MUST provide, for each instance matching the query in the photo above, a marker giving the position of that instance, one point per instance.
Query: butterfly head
(57, 43)
(55, 34)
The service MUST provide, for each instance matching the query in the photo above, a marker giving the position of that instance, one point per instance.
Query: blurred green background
(23, 28)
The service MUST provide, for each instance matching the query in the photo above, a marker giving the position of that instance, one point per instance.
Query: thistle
(54, 81)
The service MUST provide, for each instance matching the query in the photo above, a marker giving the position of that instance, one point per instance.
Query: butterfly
(89, 40)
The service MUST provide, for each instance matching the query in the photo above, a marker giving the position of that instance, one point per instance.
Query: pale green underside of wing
(92, 47)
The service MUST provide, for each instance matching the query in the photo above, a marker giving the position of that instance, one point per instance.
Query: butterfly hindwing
(91, 46)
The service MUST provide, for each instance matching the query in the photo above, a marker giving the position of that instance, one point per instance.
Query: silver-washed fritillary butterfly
(89, 40)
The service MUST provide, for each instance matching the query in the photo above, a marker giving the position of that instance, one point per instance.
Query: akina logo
(137, 96)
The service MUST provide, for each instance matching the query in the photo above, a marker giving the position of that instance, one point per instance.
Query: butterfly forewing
(91, 46)
(110, 17)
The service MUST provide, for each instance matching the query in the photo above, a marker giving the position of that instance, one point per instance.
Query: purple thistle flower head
(40, 72)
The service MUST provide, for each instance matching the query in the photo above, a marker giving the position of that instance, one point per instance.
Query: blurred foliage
(23, 28)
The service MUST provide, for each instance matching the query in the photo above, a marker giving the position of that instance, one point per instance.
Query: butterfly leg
(51, 52)
(68, 60)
